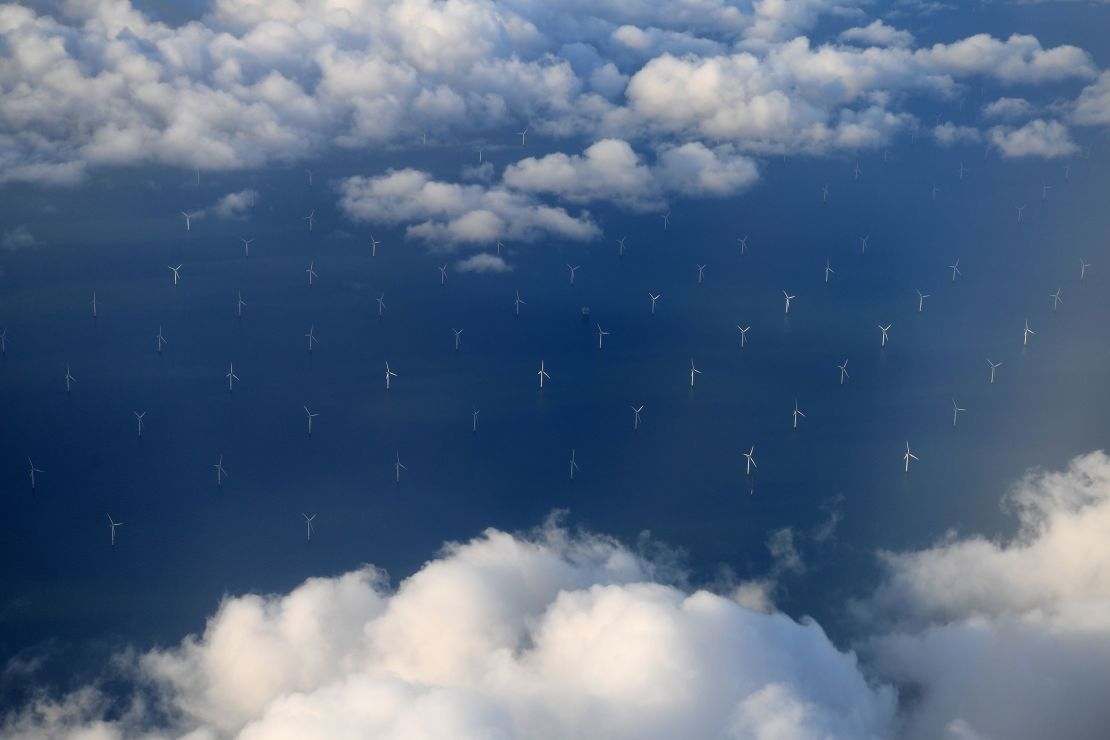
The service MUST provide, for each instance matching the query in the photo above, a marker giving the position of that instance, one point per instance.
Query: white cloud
(877, 33)
(1009, 109)
(483, 262)
(949, 134)
(235, 205)
(449, 213)
(547, 636)
(1038, 138)
(1093, 106)
(18, 238)
(1007, 638)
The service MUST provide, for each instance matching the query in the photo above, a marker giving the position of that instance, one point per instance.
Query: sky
(465, 190)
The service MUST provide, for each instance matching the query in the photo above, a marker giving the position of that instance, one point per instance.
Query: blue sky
(664, 591)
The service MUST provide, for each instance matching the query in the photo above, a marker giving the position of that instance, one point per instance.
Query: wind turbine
(653, 296)
(311, 271)
(825, 193)
(4, 341)
(176, 273)
(33, 470)
(93, 304)
(239, 303)
(112, 524)
(994, 366)
(1044, 191)
(908, 456)
(797, 413)
(666, 220)
(601, 334)
(693, 371)
(246, 246)
(499, 246)
(474, 420)
(374, 246)
(620, 247)
(458, 335)
(69, 378)
(310, 337)
(828, 271)
(963, 170)
(139, 420)
(955, 412)
(857, 171)
(188, 220)
(701, 273)
(311, 218)
(921, 301)
(935, 191)
(543, 375)
(398, 467)
(844, 371)
(743, 243)
(1083, 269)
(636, 416)
(955, 270)
(381, 304)
(388, 374)
(743, 334)
(231, 377)
(1025, 334)
(788, 298)
(573, 464)
(863, 244)
(309, 173)
(310, 416)
(1056, 299)
(220, 472)
(522, 135)
(518, 303)
(750, 457)
(308, 526)
(884, 330)
(159, 340)
(573, 269)
(443, 274)
(1020, 213)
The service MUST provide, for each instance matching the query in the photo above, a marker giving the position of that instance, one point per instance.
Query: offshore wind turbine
(1056, 299)
(308, 526)
(1083, 269)
(955, 270)
(788, 297)
(743, 334)
(398, 467)
(856, 171)
(1020, 213)
(543, 375)
(523, 134)
(4, 341)
(458, 336)
(389, 374)
(796, 413)
(962, 170)
(32, 469)
(112, 524)
(69, 378)
(935, 191)
(139, 419)
(701, 273)
(1025, 334)
(188, 220)
(309, 173)
(310, 337)
(573, 269)
(636, 416)
(921, 300)
(844, 371)
(653, 296)
(93, 304)
(825, 193)
(310, 416)
(311, 218)
(863, 240)
(159, 340)
(381, 304)
(311, 271)
(442, 274)
(666, 220)
(474, 420)
(374, 246)
(750, 457)
(518, 303)
(884, 330)
(955, 412)
(909, 456)
(743, 243)
(176, 273)
(573, 464)
(693, 371)
(1044, 191)
(620, 246)
(499, 246)
(220, 472)
(601, 334)
(231, 377)
(994, 366)
(239, 303)
(828, 271)
(246, 246)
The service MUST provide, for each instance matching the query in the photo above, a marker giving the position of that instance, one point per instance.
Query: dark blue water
(185, 542)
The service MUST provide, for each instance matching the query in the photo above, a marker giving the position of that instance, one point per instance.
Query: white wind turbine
(1020, 213)
(750, 457)
(636, 416)
(523, 136)
(797, 412)
(381, 304)
(308, 526)
(398, 467)
(601, 334)
(828, 271)
(955, 270)
(311, 218)
(443, 274)
(743, 334)
(843, 371)
(112, 524)
(518, 303)
(701, 273)
(239, 303)
(93, 304)
(1083, 269)
(32, 469)
(994, 366)
(666, 220)
(863, 244)
(653, 296)
(310, 337)
(160, 340)
(573, 269)
(543, 375)
(1025, 334)
(69, 378)
(189, 220)
(1056, 299)
(474, 420)
(884, 330)
(389, 374)
(310, 416)
(693, 371)
(458, 338)
(246, 246)
(139, 419)
(921, 301)
(743, 243)
(909, 456)
(231, 377)
(956, 412)
(573, 464)
(220, 472)
(4, 341)
(311, 271)
(374, 246)
(788, 297)
(176, 273)
(620, 246)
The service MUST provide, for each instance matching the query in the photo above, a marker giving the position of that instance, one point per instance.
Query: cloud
(483, 262)
(1093, 106)
(547, 635)
(949, 134)
(1009, 109)
(1038, 138)
(1010, 637)
(877, 33)
(18, 238)
(235, 205)
(450, 213)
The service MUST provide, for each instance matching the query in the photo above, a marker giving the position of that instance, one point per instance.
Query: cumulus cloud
(549, 635)
(1093, 106)
(1009, 109)
(877, 33)
(483, 262)
(18, 238)
(443, 213)
(235, 205)
(1010, 637)
(1038, 138)
(949, 134)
